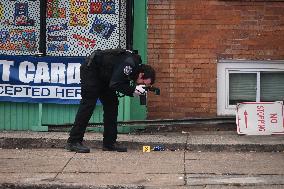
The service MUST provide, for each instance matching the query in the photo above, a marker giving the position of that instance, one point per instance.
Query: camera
(143, 98)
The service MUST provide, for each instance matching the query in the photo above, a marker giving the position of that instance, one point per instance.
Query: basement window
(248, 81)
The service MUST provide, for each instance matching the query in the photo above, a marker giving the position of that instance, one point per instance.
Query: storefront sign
(260, 118)
(40, 79)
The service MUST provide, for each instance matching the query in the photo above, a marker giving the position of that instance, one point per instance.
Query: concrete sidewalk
(56, 168)
(211, 160)
(192, 141)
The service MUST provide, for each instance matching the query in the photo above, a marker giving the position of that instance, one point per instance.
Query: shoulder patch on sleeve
(127, 70)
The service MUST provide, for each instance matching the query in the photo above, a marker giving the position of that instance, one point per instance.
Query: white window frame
(224, 67)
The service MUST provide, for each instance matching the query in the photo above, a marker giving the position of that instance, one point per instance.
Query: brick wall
(186, 38)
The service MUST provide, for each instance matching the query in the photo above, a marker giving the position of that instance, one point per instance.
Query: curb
(35, 143)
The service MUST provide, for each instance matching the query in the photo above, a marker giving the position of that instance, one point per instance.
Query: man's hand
(140, 90)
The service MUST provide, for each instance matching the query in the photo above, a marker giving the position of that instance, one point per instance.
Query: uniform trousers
(92, 89)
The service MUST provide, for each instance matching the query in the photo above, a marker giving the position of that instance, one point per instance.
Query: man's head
(146, 75)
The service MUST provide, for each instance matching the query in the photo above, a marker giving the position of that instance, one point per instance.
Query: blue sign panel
(40, 79)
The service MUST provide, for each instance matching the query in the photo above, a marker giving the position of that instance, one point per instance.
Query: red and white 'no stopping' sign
(260, 118)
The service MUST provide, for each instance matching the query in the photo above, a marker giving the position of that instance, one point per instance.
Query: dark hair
(149, 72)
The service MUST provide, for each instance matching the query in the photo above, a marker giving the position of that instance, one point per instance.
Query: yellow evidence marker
(146, 149)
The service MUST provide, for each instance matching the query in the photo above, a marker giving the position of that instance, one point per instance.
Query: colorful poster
(18, 40)
(57, 47)
(96, 8)
(73, 27)
(1, 11)
(54, 11)
(21, 17)
(78, 19)
(79, 6)
(57, 27)
(56, 38)
(78, 13)
(84, 41)
(102, 7)
(102, 28)
(108, 7)
(20, 27)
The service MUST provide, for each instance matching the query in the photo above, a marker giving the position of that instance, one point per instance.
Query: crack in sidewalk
(184, 158)
(61, 171)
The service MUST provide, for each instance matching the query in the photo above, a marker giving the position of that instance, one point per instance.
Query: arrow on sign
(246, 119)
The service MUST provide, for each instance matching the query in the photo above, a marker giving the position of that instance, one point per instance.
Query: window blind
(242, 87)
(272, 86)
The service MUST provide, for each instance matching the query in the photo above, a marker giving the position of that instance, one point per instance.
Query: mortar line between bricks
(61, 171)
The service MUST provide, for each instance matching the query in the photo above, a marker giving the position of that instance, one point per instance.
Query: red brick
(187, 37)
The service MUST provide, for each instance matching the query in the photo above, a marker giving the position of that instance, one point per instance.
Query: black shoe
(77, 147)
(114, 147)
